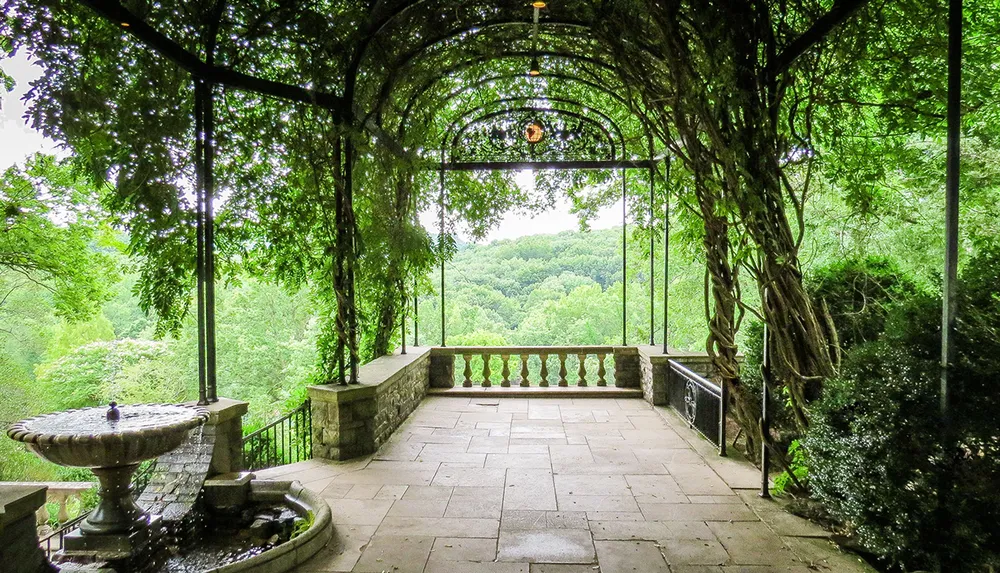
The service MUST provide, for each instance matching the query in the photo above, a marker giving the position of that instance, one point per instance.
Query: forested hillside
(562, 289)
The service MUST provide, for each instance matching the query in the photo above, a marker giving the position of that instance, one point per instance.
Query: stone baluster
(601, 372)
(506, 370)
(562, 370)
(524, 371)
(467, 373)
(583, 370)
(63, 515)
(545, 371)
(486, 371)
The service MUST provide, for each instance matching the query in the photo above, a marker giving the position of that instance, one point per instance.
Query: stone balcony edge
(374, 378)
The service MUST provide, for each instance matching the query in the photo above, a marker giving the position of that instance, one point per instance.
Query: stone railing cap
(224, 410)
(17, 501)
(374, 378)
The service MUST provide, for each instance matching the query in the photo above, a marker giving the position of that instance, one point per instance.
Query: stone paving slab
(488, 484)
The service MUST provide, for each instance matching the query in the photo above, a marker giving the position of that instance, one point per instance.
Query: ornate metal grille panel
(504, 136)
(698, 400)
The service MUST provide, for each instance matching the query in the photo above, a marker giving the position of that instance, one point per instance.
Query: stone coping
(224, 410)
(655, 354)
(374, 378)
(297, 550)
(19, 500)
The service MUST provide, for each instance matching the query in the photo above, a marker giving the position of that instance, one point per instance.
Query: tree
(50, 237)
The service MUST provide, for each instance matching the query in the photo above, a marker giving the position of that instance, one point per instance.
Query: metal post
(652, 260)
(209, 150)
(352, 308)
(338, 271)
(441, 248)
(402, 324)
(624, 260)
(416, 314)
(949, 307)
(199, 153)
(666, 258)
(765, 416)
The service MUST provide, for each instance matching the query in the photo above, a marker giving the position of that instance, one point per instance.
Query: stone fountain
(111, 443)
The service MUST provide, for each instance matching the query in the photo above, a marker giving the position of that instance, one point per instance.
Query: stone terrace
(550, 485)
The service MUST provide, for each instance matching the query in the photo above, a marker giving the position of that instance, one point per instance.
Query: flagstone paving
(554, 485)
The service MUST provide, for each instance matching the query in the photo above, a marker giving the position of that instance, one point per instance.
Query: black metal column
(416, 314)
(441, 252)
(765, 415)
(350, 226)
(209, 194)
(666, 258)
(624, 259)
(402, 322)
(199, 193)
(652, 258)
(949, 307)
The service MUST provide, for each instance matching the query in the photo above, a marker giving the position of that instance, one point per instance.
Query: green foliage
(49, 226)
(125, 371)
(858, 294)
(875, 443)
(799, 466)
(562, 289)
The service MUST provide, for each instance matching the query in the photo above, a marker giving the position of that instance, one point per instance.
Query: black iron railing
(284, 441)
(698, 400)
(53, 542)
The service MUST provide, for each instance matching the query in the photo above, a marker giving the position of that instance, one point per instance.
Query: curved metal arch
(409, 57)
(469, 63)
(564, 77)
(562, 101)
(498, 113)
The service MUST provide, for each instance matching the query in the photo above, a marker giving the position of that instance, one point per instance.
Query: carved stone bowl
(86, 438)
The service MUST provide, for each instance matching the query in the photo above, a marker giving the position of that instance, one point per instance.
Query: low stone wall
(19, 549)
(354, 420)
(654, 370)
(628, 371)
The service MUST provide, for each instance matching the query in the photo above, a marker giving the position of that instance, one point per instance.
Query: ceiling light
(534, 71)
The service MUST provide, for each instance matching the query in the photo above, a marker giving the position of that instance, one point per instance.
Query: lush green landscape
(799, 154)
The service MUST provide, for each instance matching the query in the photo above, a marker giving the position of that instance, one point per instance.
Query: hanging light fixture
(535, 71)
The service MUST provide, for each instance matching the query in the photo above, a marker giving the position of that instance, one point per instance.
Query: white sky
(18, 141)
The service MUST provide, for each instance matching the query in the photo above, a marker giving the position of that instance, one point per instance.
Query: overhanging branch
(841, 11)
(149, 36)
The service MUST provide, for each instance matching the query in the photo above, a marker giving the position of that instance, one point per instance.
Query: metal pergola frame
(344, 109)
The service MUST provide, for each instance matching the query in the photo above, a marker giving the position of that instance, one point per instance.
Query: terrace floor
(554, 485)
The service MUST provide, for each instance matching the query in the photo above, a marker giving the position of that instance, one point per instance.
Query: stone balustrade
(59, 492)
(534, 366)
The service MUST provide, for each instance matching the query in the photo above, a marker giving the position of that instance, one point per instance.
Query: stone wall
(653, 375)
(442, 370)
(627, 369)
(354, 420)
(654, 370)
(19, 550)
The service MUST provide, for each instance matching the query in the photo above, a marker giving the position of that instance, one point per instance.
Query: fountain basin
(85, 438)
(112, 443)
(226, 496)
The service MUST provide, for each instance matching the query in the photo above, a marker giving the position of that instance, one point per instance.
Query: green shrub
(859, 294)
(875, 448)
